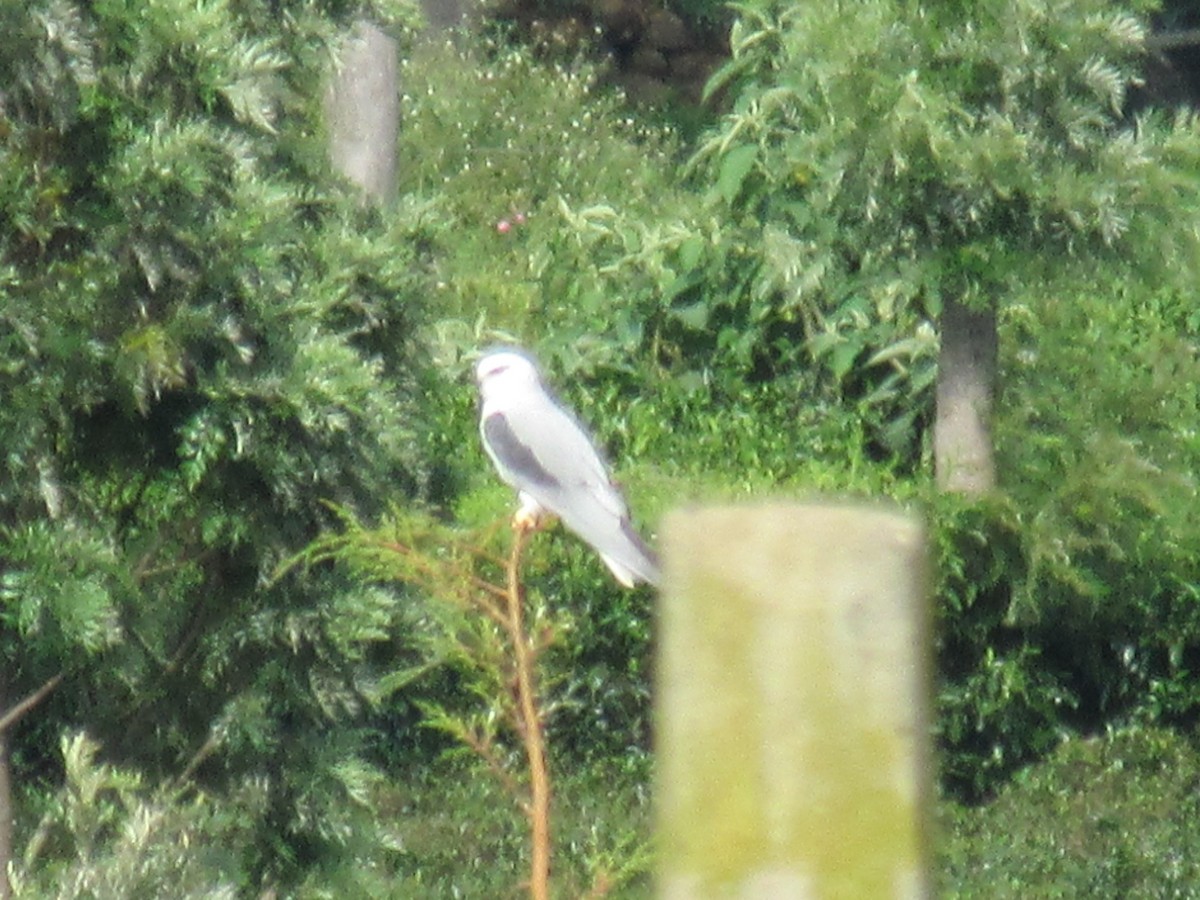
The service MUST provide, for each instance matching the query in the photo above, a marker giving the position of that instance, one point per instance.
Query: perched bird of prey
(540, 449)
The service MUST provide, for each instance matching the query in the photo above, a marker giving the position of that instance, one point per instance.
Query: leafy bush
(1106, 817)
(1069, 600)
(457, 829)
(867, 183)
(555, 215)
(112, 836)
(192, 326)
(1108, 489)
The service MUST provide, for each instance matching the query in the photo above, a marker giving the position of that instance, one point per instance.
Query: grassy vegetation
(1112, 816)
(460, 835)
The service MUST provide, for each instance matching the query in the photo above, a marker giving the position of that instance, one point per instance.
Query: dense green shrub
(538, 187)
(459, 833)
(1107, 487)
(106, 833)
(1113, 816)
(867, 183)
(1069, 600)
(192, 321)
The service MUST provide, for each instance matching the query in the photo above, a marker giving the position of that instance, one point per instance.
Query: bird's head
(504, 368)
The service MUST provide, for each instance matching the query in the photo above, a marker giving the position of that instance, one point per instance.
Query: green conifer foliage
(202, 339)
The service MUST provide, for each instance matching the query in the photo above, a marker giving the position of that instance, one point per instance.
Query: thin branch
(1173, 40)
(486, 589)
(479, 550)
(484, 750)
(191, 638)
(16, 712)
(531, 726)
(210, 746)
(430, 571)
(601, 886)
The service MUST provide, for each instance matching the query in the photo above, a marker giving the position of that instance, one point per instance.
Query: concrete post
(792, 722)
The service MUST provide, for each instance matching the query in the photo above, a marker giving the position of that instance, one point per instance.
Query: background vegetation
(207, 341)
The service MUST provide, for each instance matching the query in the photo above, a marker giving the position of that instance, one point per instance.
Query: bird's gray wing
(544, 452)
(514, 457)
(549, 455)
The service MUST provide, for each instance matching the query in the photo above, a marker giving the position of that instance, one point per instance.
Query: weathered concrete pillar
(792, 722)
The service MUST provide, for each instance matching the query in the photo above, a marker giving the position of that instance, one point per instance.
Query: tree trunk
(9, 716)
(444, 14)
(966, 384)
(362, 107)
(6, 809)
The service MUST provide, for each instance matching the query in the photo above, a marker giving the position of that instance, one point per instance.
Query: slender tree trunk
(362, 107)
(966, 385)
(9, 716)
(6, 807)
(443, 14)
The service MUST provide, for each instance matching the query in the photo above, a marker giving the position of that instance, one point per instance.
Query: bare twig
(1174, 40)
(486, 751)
(210, 746)
(530, 726)
(15, 712)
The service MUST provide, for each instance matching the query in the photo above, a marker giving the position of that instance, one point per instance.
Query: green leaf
(736, 165)
(842, 357)
(694, 315)
(691, 252)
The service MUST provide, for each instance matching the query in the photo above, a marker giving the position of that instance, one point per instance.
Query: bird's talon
(525, 520)
(532, 520)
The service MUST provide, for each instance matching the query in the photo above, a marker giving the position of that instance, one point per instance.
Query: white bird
(540, 449)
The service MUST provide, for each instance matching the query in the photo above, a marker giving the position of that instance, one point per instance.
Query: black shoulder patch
(515, 455)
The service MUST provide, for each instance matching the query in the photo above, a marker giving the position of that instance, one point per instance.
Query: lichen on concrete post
(792, 704)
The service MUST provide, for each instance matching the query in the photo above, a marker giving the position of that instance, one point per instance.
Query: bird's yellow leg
(531, 516)
(524, 520)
